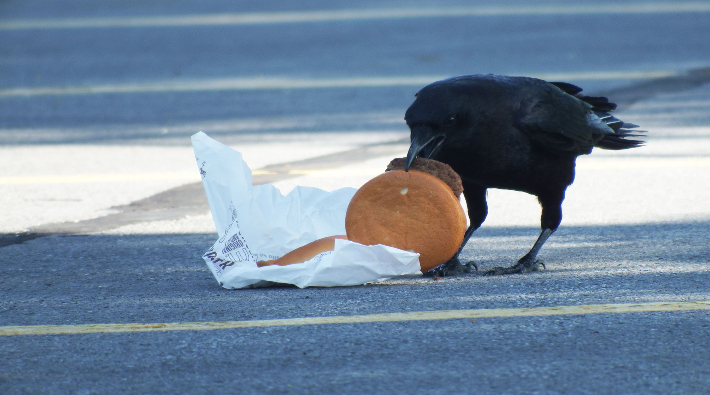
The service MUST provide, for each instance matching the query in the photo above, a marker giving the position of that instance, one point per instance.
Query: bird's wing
(557, 121)
(567, 87)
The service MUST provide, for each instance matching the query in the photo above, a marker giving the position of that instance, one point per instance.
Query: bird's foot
(524, 265)
(451, 267)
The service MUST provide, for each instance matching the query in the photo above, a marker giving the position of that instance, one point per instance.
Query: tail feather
(601, 106)
(616, 142)
(599, 103)
(615, 125)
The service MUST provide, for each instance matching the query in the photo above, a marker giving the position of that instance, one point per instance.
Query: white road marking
(98, 178)
(260, 18)
(272, 83)
(643, 163)
(635, 163)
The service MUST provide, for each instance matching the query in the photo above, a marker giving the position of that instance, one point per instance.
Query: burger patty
(437, 169)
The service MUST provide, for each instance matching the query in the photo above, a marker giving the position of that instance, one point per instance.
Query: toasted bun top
(412, 211)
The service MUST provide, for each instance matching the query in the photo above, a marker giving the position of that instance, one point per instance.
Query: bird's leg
(477, 211)
(454, 265)
(551, 217)
(527, 263)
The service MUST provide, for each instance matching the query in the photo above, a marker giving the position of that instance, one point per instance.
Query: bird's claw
(523, 266)
(452, 267)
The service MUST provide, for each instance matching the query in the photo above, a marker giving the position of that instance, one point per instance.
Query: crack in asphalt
(626, 96)
(190, 199)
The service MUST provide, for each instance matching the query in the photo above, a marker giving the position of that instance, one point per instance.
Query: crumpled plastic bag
(259, 223)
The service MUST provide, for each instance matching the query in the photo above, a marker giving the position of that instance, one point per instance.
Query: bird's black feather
(514, 133)
(567, 87)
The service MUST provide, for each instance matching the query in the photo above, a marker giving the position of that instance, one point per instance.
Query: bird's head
(434, 119)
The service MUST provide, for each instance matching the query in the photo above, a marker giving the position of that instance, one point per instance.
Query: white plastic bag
(259, 223)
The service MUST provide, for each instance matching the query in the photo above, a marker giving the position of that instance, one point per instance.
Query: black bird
(516, 133)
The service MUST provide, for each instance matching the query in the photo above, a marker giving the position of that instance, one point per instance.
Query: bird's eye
(450, 120)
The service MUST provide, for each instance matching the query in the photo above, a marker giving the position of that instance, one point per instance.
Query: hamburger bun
(412, 211)
(304, 253)
(437, 169)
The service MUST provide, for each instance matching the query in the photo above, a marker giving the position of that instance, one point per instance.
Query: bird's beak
(423, 145)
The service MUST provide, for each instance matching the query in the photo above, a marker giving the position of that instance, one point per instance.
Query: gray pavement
(103, 221)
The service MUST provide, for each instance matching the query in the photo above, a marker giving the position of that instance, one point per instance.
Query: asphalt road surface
(103, 220)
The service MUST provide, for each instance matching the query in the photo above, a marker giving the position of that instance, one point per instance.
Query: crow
(515, 133)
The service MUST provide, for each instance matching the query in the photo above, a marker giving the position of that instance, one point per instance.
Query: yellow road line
(98, 178)
(260, 18)
(357, 319)
(271, 83)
